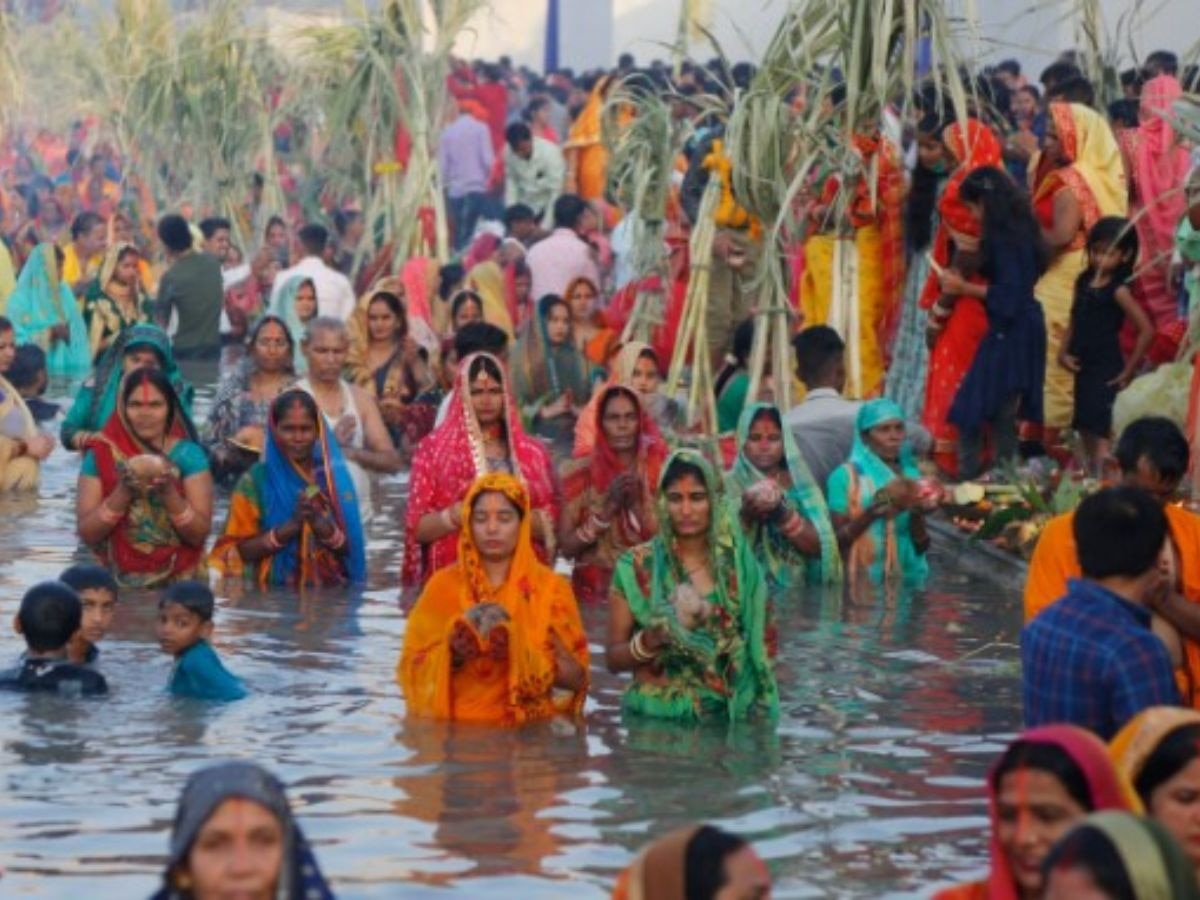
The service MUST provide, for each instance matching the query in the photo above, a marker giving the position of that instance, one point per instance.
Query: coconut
(690, 608)
(483, 617)
(148, 467)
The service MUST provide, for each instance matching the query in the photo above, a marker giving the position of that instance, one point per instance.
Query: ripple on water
(870, 787)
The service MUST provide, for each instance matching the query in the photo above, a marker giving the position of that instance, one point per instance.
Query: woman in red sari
(144, 501)
(482, 433)
(608, 496)
(956, 324)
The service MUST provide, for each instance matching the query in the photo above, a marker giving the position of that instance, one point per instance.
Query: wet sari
(950, 359)
(265, 498)
(783, 565)
(722, 669)
(144, 550)
(512, 691)
(96, 401)
(886, 549)
(1095, 175)
(1109, 790)
(109, 307)
(585, 484)
(449, 461)
(41, 301)
(300, 877)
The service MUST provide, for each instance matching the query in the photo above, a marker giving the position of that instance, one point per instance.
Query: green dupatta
(284, 308)
(780, 559)
(722, 669)
(1151, 857)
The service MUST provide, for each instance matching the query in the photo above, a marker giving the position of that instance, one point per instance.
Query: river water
(892, 709)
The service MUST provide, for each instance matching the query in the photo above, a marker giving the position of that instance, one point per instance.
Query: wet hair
(213, 224)
(194, 596)
(271, 319)
(517, 133)
(485, 365)
(1007, 215)
(173, 231)
(704, 861)
(818, 348)
(393, 303)
(1170, 757)
(1123, 113)
(518, 212)
(480, 337)
(89, 577)
(1089, 849)
(49, 615)
(313, 238)
(1159, 441)
(568, 210)
(1112, 232)
(157, 379)
(461, 299)
(1048, 758)
(83, 223)
(29, 362)
(1118, 532)
(289, 400)
(680, 468)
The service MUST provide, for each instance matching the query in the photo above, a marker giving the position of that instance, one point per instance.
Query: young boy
(97, 590)
(27, 375)
(1091, 658)
(49, 616)
(185, 624)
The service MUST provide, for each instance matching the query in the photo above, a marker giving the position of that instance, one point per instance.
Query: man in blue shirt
(1090, 659)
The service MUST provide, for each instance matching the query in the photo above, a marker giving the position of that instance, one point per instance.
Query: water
(870, 787)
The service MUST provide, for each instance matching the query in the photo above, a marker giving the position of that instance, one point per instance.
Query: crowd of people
(1021, 262)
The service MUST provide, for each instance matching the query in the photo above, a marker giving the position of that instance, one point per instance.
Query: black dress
(1096, 320)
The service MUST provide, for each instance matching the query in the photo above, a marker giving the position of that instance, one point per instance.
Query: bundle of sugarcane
(692, 338)
(642, 146)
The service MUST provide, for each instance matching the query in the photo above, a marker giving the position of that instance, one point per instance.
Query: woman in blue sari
(293, 518)
(874, 501)
(783, 510)
(44, 312)
(96, 401)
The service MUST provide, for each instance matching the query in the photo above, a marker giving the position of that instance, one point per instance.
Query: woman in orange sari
(1079, 179)
(496, 637)
(1047, 781)
(595, 340)
(957, 325)
(587, 160)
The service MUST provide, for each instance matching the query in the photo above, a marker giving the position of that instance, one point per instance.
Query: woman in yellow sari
(487, 280)
(1079, 179)
(587, 160)
(496, 637)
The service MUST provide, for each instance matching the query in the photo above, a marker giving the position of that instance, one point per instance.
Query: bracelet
(338, 541)
(793, 525)
(585, 534)
(107, 514)
(599, 524)
(272, 541)
(638, 650)
(185, 518)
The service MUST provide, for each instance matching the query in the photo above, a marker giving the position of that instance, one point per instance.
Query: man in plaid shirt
(1090, 659)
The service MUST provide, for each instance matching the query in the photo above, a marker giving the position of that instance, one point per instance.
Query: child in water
(49, 617)
(97, 590)
(185, 624)
(1091, 348)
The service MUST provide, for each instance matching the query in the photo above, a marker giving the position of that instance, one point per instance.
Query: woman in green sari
(1118, 854)
(875, 503)
(783, 510)
(44, 312)
(551, 377)
(96, 401)
(688, 609)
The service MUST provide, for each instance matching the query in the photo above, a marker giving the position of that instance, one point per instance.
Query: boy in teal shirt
(185, 624)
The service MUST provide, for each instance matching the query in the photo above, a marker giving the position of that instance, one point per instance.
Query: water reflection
(869, 787)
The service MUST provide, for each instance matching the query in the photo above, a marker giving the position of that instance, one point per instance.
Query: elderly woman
(688, 610)
(115, 300)
(496, 637)
(294, 517)
(358, 425)
(225, 809)
(144, 500)
(235, 434)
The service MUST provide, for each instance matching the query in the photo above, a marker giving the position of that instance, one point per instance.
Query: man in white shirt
(534, 171)
(555, 261)
(335, 295)
(823, 423)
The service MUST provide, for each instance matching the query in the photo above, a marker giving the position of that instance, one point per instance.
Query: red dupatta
(448, 461)
(144, 544)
